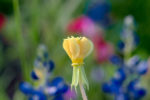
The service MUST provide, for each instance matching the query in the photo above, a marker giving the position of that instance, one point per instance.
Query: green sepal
(79, 75)
(83, 78)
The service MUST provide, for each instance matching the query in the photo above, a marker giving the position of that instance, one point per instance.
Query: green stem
(20, 40)
(79, 77)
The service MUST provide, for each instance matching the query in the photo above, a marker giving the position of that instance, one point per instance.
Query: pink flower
(103, 50)
(83, 25)
(2, 21)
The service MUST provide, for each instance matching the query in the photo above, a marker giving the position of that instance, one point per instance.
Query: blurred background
(119, 30)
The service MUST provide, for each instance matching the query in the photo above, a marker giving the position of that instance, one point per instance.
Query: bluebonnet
(135, 90)
(126, 81)
(121, 45)
(125, 84)
(99, 12)
(44, 86)
(34, 76)
(129, 38)
(116, 60)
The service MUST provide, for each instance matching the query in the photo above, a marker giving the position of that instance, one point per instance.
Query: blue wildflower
(121, 45)
(136, 39)
(58, 85)
(122, 96)
(116, 60)
(99, 12)
(26, 88)
(59, 97)
(133, 61)
(34, 76)
(124, 85)
(43, 67)
(51, 66)
(142, 67)
(107, 87)
(119, 76)
(37, 95)
(135, 90)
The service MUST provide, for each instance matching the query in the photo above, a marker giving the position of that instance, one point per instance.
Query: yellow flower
(77, 48)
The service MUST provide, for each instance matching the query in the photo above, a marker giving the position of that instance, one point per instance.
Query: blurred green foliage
(31, 22)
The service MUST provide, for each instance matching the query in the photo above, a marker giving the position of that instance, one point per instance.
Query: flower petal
(74, 48)
(66, 47)
(86, 47)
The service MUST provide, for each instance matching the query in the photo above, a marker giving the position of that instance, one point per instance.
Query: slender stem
(82, 91)
(20, 39)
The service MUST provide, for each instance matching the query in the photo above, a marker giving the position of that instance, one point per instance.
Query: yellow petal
(74, 48)
(66, 47)
(86, 47)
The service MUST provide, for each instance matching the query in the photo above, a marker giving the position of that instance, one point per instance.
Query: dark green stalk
(20, 40)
